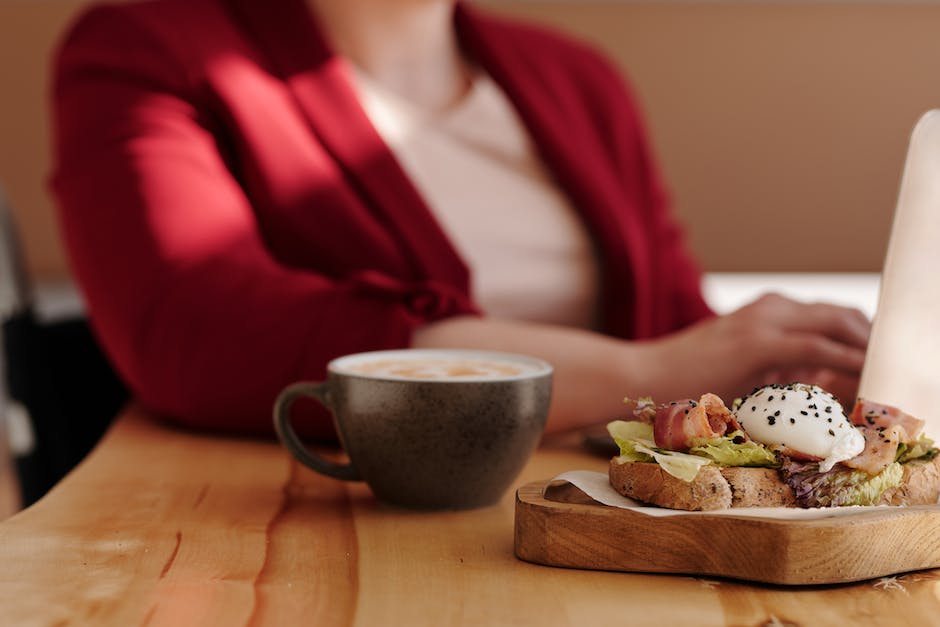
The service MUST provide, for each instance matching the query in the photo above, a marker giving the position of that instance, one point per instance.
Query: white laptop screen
(902, 367)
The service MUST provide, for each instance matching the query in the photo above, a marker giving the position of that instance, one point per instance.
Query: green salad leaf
(635, 440)
(840, 486)
(734, 450)
(922, 450)
(865, 491)
(626, 434)
(679, 465)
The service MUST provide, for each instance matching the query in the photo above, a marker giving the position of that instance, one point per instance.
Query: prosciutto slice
(677, 424)
(871, 414)
(881, 447)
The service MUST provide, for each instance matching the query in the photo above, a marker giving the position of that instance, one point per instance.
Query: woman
(250, 188)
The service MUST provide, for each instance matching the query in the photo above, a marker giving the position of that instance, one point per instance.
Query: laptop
(902, 365)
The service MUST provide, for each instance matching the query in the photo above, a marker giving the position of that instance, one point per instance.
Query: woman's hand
(772, 340)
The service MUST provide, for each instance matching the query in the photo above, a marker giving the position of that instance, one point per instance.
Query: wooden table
(164, 527)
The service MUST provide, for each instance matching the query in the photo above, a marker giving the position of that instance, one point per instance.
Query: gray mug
(428, 429)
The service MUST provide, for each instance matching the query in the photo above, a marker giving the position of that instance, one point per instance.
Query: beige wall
(780, 127)
(28, 29)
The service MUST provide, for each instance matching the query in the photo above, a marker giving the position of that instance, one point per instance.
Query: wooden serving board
(558, 525)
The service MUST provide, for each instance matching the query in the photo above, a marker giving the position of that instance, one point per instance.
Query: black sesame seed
(829, 410)
(816, 414)
(777, 413)
(792, 421)
(738, 439)
(770, 398)
(804, 413)
(869, 420)
(687, 411)
(783, 397)
(832, 433)
(771, 420)
(753, 407)
(828, 419)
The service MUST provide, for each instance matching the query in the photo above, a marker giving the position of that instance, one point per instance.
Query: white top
(529, 254)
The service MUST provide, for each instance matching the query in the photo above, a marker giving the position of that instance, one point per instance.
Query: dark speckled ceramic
(428, 444)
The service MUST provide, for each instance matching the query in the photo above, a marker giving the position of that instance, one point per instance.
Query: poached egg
(802, 418)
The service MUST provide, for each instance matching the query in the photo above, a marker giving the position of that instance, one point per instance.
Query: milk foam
(436, 366)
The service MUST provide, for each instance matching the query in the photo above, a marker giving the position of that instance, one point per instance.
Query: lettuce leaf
(727, 452)
(867, 491)
(635, 440)
(922, 450)
(625, 434)
(840, 486)
(679, 465)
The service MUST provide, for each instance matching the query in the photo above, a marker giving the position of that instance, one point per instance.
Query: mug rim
(540, 367)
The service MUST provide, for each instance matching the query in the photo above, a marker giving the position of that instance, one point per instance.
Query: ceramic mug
(428, 429)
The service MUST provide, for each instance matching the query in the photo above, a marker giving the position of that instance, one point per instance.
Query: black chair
(57, 372)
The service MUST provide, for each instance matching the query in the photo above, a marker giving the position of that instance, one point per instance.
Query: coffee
(439, 368)
(428, 429)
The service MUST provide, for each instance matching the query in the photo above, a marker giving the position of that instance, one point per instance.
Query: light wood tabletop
(163, 527)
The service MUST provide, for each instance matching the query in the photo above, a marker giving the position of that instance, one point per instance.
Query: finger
(800, 350)
(841, 385)
(842, 324)
(791, 375)
(847, 325)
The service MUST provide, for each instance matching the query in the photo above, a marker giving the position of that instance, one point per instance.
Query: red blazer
(235, 221)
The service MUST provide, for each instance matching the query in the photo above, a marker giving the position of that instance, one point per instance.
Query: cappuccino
(439, 365)
(436, 368)
(424, 428)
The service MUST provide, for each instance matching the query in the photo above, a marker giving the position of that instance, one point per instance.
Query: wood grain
(164, 527)
(556, 526)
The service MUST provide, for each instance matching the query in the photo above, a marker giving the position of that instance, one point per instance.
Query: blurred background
(781, 126)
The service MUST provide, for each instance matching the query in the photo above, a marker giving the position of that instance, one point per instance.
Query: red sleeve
(676, 276)
(678, 281)
(201, 321)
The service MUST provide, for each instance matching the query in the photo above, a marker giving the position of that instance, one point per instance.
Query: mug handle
(287, 435)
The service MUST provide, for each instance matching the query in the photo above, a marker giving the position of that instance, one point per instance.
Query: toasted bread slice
(719, 488)
(713, 487)
(648, 482)
(758, 487)
(920, 485)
